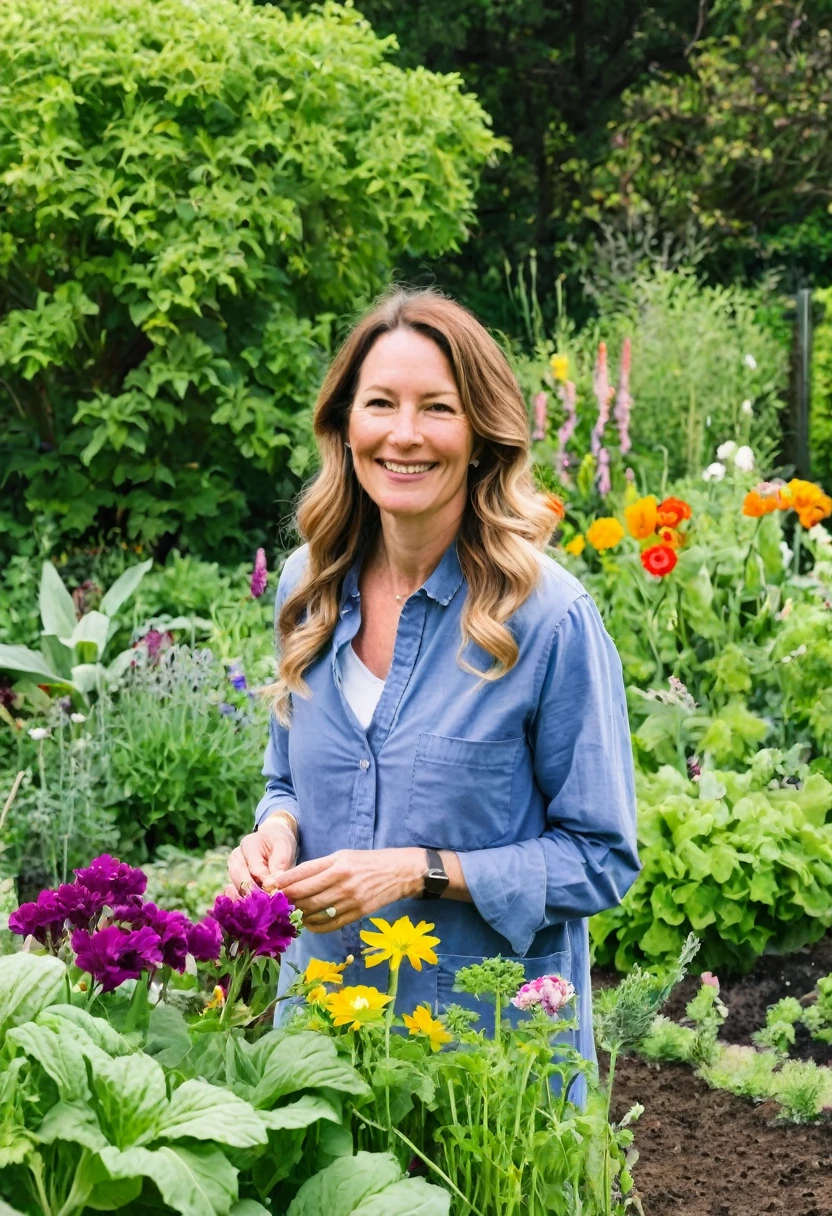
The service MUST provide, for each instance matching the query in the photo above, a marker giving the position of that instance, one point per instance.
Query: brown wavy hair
(505, 524)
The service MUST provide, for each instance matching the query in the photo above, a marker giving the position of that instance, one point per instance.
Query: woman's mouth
(407, 468)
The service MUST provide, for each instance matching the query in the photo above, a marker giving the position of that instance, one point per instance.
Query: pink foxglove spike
(259, 577)
(540, 403)
(568, 399)
(604, 481)
(623, 401)
(601, 389)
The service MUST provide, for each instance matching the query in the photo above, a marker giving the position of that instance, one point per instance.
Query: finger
(345, 917)
(282, 852)
(302, 893)
(307, 869)
(231, 891)
(254, 850)
(330, 897)
(239, 872)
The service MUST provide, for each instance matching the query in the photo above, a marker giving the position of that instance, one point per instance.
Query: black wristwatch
(435, 878)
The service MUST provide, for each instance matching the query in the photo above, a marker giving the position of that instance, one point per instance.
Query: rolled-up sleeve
(586, 859)
(280, 792)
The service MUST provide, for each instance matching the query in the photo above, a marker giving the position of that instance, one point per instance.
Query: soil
(707, 1153)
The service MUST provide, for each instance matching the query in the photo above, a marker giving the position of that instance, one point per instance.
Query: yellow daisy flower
(422, 1024)
(320, 972)
(357, 1006)
(560, 366)
(576, 545)
(316, 995)
(399, 941)
(605, 533)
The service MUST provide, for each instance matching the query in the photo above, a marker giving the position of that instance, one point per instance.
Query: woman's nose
(406, 430)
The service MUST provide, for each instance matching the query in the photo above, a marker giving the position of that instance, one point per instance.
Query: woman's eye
(442, 406)
(378, 401)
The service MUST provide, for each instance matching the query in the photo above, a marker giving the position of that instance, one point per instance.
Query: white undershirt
(361, 688)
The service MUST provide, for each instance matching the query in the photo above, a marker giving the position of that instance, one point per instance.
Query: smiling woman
(450, 718)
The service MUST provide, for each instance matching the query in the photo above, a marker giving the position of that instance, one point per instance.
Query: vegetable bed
(707, 1153)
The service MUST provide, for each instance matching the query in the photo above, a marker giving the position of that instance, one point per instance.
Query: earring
(475, 463)
(346, 445)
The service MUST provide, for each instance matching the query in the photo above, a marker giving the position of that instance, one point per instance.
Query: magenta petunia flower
(114, 880)
(259, 923)
(79, 904)
(113, 955)
(154, 642)
(551, 992)
(43, 919)
(260, 575)
(205, 940)
(172, 929)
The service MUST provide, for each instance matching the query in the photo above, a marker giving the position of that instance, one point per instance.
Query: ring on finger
(331, 912)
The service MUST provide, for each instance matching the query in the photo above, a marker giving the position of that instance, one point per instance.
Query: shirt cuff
(276, 802)
(508, 887)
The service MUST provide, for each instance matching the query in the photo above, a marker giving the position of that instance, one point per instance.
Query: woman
(451, 723)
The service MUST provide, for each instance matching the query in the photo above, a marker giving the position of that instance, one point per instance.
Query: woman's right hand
(261, 857)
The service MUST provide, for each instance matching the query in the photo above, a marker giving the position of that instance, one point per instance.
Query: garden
(195, 203)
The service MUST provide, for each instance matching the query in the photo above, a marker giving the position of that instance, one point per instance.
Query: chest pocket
(460, 791)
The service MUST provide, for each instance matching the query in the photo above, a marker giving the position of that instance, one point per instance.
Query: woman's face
(411, 439)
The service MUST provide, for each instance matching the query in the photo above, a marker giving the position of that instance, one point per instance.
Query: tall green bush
(820, 418)
(192, 197)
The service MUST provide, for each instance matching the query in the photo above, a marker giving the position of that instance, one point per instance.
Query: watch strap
(435, 877)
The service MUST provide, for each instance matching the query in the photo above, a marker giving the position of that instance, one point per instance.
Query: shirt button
(364, 765)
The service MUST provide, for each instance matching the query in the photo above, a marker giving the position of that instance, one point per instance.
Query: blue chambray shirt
(529, 779)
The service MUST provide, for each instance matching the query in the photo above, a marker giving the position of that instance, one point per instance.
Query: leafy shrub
(820, 417)
(184, 881)
(744, 860)
(192, 194)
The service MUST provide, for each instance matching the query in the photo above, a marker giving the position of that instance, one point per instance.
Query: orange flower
(669, 536)
(605, 533)
(672, 511)
(641, 517)
(756, 504)
(819, 510)
(810, 502)
(555, 505)
(659, 560)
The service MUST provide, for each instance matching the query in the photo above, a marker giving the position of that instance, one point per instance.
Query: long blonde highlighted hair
(506, 522)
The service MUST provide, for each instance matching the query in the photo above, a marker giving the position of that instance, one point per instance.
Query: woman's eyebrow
(381, 388)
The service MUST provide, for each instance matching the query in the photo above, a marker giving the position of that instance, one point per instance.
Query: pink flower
(603, 395)
(540, 403)
(708, 978)
(623, 400)
(260, 575)
(551, 992)
(568, 398)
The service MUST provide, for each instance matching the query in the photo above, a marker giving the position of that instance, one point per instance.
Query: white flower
(726, 450)
(38, 732)
(750, 362)
(714, 472)
(744, 458)
(788, 554)
(708, 420)
(78, 718)
(80, 744)
(819, 535)
(795, 654)
(747, 407)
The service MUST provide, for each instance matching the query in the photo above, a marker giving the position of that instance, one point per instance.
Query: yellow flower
(320, 972)
(399, 941)
(576, 545)
(217, 1000)
(316, 995)
(356, 1007)
(422, 1024)
(641, 517)
(560, 366)
(810, 502)
(605, 533)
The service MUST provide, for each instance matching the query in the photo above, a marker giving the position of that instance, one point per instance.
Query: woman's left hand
(355, 882)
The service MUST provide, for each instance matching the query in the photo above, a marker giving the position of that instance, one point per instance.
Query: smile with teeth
(395, 466)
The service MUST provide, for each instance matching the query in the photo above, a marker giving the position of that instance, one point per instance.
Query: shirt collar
(442, 585)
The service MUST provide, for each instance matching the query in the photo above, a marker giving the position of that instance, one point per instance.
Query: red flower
(659, 560)
(672, 511)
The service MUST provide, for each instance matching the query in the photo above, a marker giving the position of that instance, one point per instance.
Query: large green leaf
(91, 632)
(307, 1109)
(72, 1121)
(131, 1093)
(57, 611)
(304, 1061)
(201, 1111)
(113, 1194)
(58, 1055)
(57, 655)
(243, 1207)
(7, 1210)
(21, 661)
(369, 1184)
(192, 1181)
(97, 1030)
(168, 1040)
(124, 587)
(28, 983)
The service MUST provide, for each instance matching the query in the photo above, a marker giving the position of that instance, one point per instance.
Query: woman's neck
(409, 550)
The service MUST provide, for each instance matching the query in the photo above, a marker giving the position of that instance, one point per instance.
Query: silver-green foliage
(192, 194)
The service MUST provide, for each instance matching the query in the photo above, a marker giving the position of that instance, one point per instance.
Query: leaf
(28, 983)
(93, 628)
(206, 1112)
(244, 1207)
(21, 661)
(168, 1040)
(123, 588)
(87, 676)
(111, 1195)
(131, 1093)
(410, 1197)
(99, 1032)
(7, 1210)
(342, 1186)
(57, 611)
(57, 1053)
(305, 1061)
(192, 1181)
(307, 1109)
(74, 1122)
(57, 655)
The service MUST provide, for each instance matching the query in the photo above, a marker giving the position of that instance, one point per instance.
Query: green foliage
(192, 199)
(820, 416)
(745, 866)
(781, 1018)
(623, 1015)
(184, 881)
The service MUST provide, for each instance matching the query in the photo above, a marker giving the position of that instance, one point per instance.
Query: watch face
(436, 875)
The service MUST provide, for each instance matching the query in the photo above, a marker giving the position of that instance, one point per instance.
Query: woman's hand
(261, 858)
(356, 882)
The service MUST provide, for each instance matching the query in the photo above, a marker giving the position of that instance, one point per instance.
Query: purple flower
(79, 904)
(694, 768)
(113, 955)
(43, 920)
(259, 923)
(115, 880)
(171, 928)
(226, 710)
(568, 397)
(623, 400)
(540, 411)
(237, 677)
(551, 992)
(205, 940)
(259, 576)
